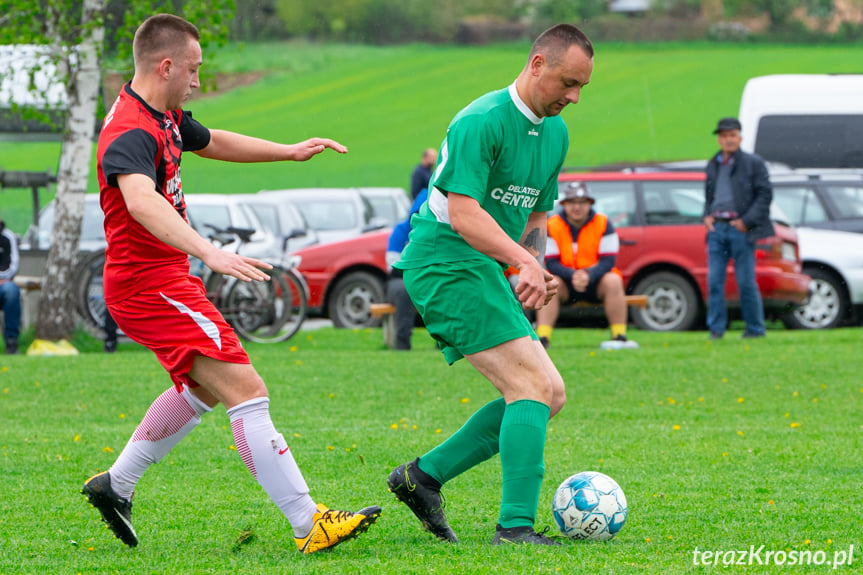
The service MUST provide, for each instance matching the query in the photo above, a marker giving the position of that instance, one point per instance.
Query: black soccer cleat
(424, 499)
(116, 511)
(522, 535)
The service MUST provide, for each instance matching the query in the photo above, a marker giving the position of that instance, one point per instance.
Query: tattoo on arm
(534, 241)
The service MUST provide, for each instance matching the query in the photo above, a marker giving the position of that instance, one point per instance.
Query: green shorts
(467, 306)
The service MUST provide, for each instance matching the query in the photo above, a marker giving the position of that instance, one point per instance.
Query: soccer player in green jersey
(495, 179)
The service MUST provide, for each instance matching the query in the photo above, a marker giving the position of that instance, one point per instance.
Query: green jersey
(498, 152)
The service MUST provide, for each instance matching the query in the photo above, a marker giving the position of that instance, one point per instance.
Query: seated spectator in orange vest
(581, 253)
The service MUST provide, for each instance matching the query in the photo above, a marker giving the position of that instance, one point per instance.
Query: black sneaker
(520, 535)
(12, 346)
(423, 498)
(110, 346)
(116, 511)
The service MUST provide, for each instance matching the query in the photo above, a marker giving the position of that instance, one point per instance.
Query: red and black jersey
(137, 139)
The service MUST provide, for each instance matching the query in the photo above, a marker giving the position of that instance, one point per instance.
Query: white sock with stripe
(265, 452)
(168, 420)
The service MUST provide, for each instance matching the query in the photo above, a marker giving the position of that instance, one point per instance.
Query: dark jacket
(752, 192)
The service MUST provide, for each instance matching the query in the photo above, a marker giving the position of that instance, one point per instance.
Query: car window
(201, 215)
(92, 224)
(673, 203)
(268, 216)
(800, 204)
(848, 200)
(614, 199)
(329, 214)
(384, 207)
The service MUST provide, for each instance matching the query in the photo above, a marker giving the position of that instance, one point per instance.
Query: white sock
(265, 452)
(168, 420)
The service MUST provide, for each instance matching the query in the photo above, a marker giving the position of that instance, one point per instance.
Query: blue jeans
(10, 301)
(723, 244)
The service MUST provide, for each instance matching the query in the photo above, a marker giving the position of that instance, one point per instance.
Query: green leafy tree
(72, 35)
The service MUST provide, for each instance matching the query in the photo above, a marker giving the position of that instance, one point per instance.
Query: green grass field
(645, 102)
(718, 445)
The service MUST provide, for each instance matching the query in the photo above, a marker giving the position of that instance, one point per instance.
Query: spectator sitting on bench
(10, 295)
(406, 312)
(581, 253)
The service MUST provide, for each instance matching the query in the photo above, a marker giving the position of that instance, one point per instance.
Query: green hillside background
(645, 102)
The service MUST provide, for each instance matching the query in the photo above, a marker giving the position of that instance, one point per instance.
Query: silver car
(834, 261)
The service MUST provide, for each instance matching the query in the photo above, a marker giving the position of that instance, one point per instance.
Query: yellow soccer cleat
(332, 527)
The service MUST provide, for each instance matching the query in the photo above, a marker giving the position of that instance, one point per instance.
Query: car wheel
(827, 306)
(671, 303)
(350, 299)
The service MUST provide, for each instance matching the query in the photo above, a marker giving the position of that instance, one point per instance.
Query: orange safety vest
(588, 241)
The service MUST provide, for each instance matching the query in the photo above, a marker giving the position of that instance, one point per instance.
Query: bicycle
(264, 312)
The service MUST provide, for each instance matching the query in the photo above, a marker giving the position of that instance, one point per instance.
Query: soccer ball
(589, 505)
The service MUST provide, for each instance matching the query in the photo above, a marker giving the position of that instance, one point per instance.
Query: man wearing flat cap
(737, 214)
(581, 253)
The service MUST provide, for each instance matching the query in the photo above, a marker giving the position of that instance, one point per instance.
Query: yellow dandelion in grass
(309, 337)
(823, 386)
(795, 425)
(232, 447)
(404, 425)
(740, 400)
(593, 353)
(394, 426)
(660, 403)
(796, 394)
(724, 454)
(299, 362)
(297, 435)
(676, 427)
(91, 548)
(701, 399)
(7, 369)
(107, 450)
(438, 430)
(354, 445)
(356, 330)
(776, 387)
(465, 399)
(330, 448)
(746, 347)
(293, 348)
(724, 380)
(770, 502)
(740, 433)
(672, 401)
(814, 400)
(829, 542)
(414, 426)
(38, 384)
(787, 414)
(401, 420)
(806, 542)
(647, 539)
(5, 390)
(77, 437)
(122, 416)
(332, 395)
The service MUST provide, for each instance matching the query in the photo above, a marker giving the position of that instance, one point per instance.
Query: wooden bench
(386, 311)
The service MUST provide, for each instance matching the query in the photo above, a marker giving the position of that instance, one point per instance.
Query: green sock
(522, 442)
(476, 441)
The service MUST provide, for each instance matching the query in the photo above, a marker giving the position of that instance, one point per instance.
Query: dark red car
(663, 251)
(345, 277)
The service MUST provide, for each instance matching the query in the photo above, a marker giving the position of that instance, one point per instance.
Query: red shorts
(178, 323)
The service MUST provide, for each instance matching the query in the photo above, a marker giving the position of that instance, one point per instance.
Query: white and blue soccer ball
(590, 505)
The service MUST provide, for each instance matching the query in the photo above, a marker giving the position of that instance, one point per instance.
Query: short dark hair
(554, 42)
(162, 34)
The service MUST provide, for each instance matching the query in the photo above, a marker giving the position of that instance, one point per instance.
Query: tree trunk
(56, 318)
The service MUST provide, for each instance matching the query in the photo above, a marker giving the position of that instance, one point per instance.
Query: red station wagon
(663, 250)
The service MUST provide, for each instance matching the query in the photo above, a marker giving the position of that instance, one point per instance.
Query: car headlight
(789, 251)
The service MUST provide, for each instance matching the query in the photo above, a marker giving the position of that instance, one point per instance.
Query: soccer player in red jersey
(155, 301)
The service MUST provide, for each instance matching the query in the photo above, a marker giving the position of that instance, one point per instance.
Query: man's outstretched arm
(233, 147)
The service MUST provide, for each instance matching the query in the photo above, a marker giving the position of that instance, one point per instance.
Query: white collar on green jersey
(522, 107)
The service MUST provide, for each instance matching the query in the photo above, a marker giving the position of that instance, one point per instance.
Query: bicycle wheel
(265, 312)
(88, 292)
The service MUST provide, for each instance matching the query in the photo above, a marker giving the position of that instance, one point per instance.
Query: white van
(804, 120)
